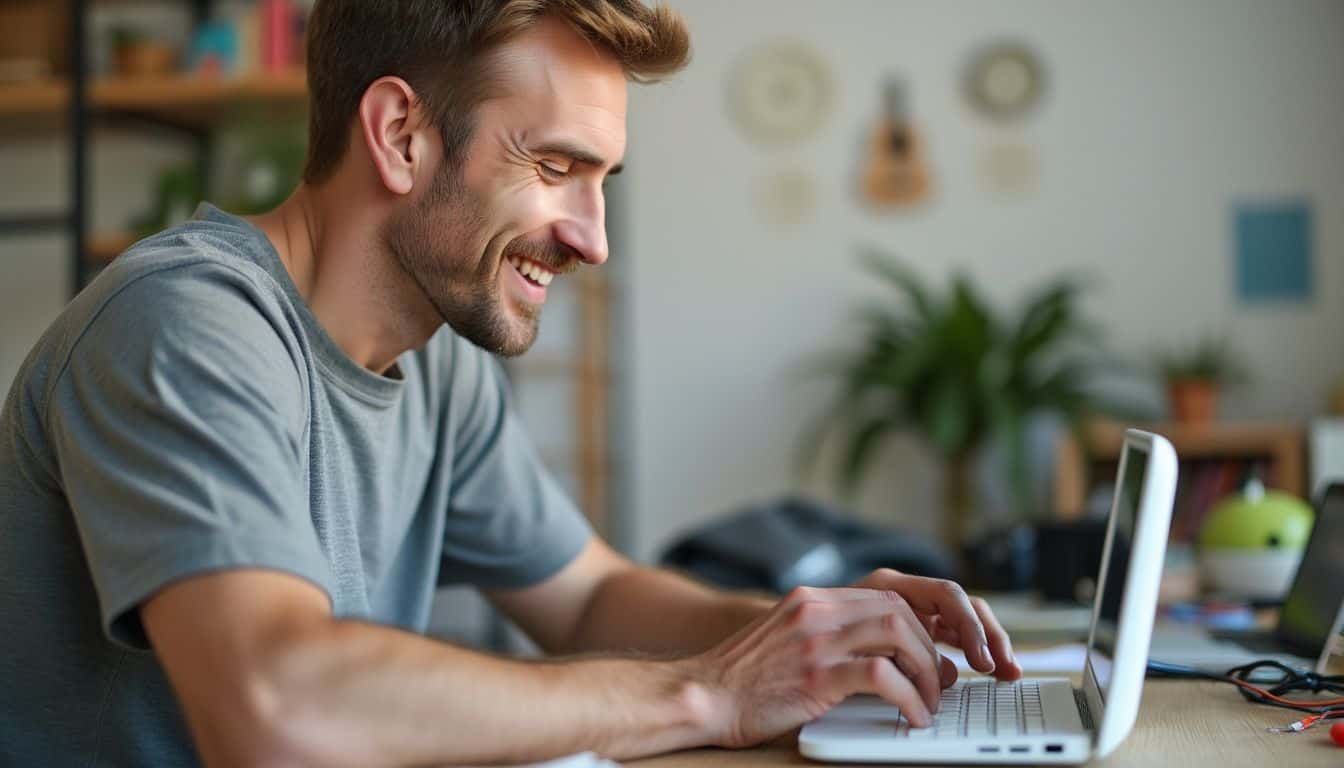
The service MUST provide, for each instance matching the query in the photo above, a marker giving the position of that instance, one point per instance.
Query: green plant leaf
(866, 439)
(949, 367)
(900, 277)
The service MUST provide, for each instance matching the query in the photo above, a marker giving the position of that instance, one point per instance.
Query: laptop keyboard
(983, 707)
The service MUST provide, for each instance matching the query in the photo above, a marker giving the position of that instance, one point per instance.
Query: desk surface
(1181, 723)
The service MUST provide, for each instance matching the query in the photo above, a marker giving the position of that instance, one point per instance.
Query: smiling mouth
(532, 271)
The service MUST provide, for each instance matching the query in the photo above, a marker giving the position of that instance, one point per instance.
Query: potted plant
(1195, 377)
(137, 54)
(947, 366)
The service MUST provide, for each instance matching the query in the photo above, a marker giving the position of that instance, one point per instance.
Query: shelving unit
(178, 100)
(181, 104)
(191, 108)
(1214, 460)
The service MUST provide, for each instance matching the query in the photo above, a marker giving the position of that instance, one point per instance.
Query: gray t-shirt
(186, 413)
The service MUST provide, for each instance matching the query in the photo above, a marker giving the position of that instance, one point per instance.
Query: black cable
(1249, 679)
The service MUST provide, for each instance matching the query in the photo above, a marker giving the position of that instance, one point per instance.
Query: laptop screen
(1115, 567)
(1318, 589)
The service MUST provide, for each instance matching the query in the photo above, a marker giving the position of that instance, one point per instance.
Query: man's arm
(602, 602)
(266, 676)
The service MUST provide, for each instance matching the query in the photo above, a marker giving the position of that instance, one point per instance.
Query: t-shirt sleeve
(509, 523)
(177, 424)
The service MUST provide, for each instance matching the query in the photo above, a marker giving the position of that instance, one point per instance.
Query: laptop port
(1054, 747)
(989, 749)
(1019, 748)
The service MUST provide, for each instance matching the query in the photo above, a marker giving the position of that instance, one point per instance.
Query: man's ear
(389, 119)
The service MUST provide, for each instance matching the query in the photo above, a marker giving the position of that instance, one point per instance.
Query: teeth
(532, 270)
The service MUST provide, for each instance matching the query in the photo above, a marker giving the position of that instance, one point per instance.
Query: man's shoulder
(211, 246)
(187, 299)
(195, 286)
(183, 279)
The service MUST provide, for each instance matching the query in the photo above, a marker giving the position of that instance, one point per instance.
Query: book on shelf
(262, 38)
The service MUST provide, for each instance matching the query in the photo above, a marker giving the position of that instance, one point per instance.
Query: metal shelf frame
(74, 220)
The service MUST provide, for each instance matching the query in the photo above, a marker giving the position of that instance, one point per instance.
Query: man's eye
(554, 171)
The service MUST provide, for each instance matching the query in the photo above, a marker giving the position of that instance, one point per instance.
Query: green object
(177, 193)
(959, 374)
(1210, 359)
(1258, 519)
(125, 36)
(270, 165)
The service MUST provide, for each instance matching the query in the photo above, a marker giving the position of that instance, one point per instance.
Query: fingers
(947, 671)
(879, 676)
(823, 615)
(1005, 666)
(799, 595)
(893, 635)
(949, 602)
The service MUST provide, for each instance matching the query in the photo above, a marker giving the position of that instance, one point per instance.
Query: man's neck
(334, 255)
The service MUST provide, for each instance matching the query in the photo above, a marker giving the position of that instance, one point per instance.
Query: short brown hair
(440, 48)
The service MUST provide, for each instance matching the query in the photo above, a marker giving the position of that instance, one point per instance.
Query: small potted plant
(138, 55)
(1196, 376)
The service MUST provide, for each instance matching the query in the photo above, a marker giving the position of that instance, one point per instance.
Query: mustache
(556, 257)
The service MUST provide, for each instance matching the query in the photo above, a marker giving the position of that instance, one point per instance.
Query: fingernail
(984, 654)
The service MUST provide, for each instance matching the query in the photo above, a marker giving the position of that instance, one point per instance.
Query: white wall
(1159, 116)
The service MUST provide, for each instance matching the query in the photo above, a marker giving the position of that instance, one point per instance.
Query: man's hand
(818, 646)
(950, 616)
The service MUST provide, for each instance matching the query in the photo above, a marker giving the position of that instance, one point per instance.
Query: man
(235, 468)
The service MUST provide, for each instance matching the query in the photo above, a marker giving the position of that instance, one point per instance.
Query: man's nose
(585, 231)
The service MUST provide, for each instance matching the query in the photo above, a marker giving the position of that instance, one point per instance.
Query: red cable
(1266, 694)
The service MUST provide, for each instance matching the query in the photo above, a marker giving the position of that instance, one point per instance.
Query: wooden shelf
(1280, 446)
(178, 99)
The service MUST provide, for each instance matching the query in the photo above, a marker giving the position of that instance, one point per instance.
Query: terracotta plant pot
(148, 59)
(1193, 401)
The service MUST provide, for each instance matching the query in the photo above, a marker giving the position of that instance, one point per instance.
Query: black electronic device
(794, 542)
(1318, 589)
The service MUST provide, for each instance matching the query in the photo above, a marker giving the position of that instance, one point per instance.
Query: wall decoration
(1273, 251)
(1004, 81)
(1009, 168)
(786, 198)
(894, 170)
(781, 93)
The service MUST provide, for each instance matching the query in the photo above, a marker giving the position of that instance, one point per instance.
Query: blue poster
(1274, 251)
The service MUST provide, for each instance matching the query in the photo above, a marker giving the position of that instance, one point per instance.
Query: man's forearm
(360, 694)
(656, 611)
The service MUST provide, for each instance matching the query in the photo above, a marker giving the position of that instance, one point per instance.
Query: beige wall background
(1159, 116)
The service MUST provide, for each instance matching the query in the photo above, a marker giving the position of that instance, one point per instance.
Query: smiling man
(234, 470)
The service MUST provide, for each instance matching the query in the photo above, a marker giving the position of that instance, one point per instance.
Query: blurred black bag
(793, 542)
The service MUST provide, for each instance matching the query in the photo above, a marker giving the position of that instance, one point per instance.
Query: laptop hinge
(1084, 711)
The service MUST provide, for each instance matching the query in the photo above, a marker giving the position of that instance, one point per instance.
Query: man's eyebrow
(578, 154)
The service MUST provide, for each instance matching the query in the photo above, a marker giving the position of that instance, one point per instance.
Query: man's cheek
(536, 210)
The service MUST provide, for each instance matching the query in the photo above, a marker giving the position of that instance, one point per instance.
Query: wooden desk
(1185, 724)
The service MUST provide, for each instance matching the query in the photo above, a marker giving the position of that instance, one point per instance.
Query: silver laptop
(1042, 720)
